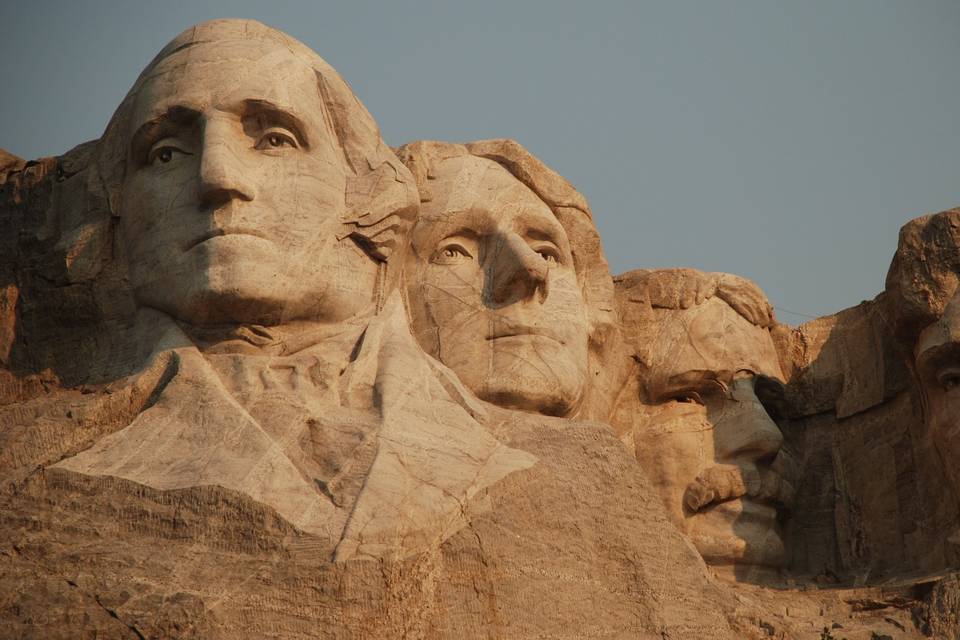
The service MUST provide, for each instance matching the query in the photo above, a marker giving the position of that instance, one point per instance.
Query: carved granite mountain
(262, 376)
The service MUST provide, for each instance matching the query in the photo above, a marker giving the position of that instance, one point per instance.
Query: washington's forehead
(223, 73)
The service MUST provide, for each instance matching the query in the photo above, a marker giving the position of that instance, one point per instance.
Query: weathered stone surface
(262, 376)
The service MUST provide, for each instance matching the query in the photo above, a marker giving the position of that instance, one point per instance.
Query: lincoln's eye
(165, 155)
(275, 140)
(950, 380)
(452, 252)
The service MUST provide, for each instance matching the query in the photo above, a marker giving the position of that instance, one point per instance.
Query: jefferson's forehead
(467, 187)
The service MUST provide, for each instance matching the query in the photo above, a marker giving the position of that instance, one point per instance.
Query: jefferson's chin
(533, 373)
(743, 533)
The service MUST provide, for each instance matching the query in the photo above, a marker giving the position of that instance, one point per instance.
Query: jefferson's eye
(451, 253)
(276, 140)
(548, 252)
(549, 256)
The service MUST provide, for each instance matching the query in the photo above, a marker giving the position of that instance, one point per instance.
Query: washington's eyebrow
(276, 114)
(154, 128)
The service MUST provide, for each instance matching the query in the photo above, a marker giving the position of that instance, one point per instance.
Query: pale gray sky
(783, 141)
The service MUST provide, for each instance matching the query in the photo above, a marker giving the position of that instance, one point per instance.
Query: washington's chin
(741, 533)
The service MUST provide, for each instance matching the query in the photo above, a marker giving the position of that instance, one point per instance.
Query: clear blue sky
(783, 141)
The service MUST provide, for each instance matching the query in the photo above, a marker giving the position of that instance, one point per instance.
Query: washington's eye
(949, 379)
(163, 154)
(276, 139)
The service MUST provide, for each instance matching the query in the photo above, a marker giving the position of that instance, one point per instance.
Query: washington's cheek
(297, 204)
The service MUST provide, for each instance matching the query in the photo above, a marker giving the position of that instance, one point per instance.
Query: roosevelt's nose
(745, 432)
(515, 272)
(222, 176)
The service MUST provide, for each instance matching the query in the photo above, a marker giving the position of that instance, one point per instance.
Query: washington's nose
(221, 173)
(515, 272)
(747, 432)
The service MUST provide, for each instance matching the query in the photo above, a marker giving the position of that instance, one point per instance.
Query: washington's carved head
(497, 289)
(706, 359)
(250, 184)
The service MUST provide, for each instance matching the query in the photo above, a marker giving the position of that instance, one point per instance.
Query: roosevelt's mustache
(724, 482)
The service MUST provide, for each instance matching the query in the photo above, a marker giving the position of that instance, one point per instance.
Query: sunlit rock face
(212, 397)
(698, 424)
(263, 376)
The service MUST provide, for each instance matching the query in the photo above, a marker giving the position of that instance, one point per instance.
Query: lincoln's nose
(221, 172)
(515, 272)
(744, 431)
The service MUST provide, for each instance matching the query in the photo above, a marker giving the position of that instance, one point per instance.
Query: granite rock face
(262, 376)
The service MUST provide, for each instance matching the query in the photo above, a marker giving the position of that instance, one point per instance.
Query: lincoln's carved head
(251, 185)
(706, 359)
(497, 287)
(923, 300)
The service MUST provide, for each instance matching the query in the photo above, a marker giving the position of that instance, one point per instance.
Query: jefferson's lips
(513, 331)
(226, 231)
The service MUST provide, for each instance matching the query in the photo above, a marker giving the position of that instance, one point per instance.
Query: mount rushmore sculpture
(262, 375)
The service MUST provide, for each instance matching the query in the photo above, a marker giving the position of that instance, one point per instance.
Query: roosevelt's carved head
(705, 361)
(506, 281)
(250, 184)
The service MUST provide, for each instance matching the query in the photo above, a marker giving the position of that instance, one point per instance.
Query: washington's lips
(226, 231)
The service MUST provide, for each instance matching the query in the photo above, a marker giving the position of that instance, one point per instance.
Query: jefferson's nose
(221, 173)
(746, 432)
(515, 272)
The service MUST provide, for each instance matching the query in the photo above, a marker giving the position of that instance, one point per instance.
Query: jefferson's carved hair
(381, 196)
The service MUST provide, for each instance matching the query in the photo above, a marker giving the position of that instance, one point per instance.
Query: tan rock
(216, 422)
(692, 415)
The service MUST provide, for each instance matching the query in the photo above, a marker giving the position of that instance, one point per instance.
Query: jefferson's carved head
(923, 298)
(705, 360)
(504, 274)
(250, 183)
